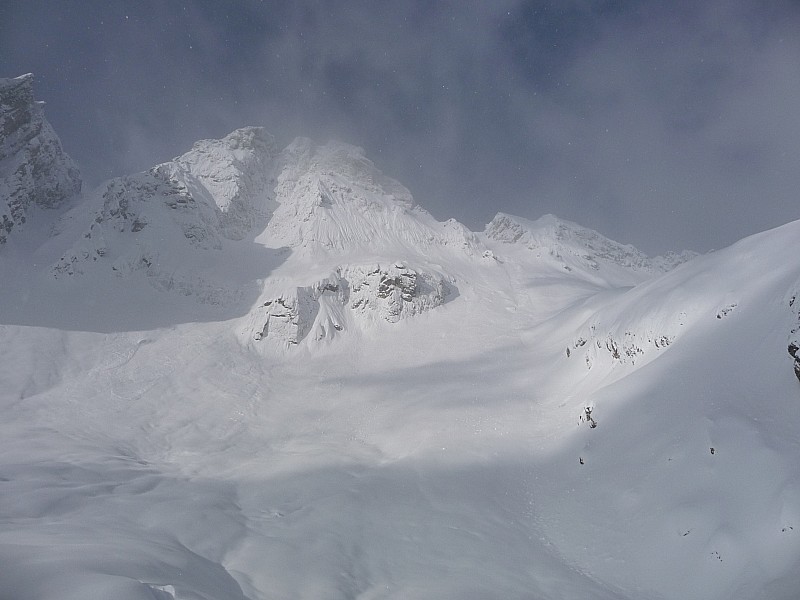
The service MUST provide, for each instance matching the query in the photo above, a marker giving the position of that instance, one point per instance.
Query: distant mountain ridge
(352, 240)
(572, 243)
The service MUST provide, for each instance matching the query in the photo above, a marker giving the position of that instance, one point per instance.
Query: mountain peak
(573, 247)
(240, 146)
(332, 198)
(35, 172)
(233, 174)
(19, 89)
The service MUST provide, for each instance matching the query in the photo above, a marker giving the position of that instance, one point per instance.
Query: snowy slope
(262, 373)
(694, 459)
(357, 249)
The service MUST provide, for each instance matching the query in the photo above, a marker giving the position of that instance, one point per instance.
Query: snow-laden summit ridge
(334, 200)
(571, 247)
(343, 245)
(234, 174)
(35, 172)
(361, 250)
(330, 215)
(179, 222)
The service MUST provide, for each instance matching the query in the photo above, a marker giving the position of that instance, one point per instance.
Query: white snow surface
(264, 374)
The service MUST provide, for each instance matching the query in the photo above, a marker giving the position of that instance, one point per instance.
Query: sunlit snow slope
(268, 374)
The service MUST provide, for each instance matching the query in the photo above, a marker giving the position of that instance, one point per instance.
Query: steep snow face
(647, 319)
(642, 322)
(35, 172)
(236, 174)
(691, 467)
(360, 252)
(145, 222)
(333, 200)
(168, 222)
(565, 246)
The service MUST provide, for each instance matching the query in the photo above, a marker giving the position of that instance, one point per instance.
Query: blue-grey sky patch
(665, 125)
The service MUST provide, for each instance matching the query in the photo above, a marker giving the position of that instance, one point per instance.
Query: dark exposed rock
(794, 337)
(794, 352)
(34, 169)
(359, 292)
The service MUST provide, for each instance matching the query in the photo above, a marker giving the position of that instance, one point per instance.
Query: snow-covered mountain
(35, 172)
(254, 372)
(569, 246)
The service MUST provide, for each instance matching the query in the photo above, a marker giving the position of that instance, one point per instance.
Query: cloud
(661, 124)
(672, 124)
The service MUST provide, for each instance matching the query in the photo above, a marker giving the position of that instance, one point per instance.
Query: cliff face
(794, 335)
(34, 169)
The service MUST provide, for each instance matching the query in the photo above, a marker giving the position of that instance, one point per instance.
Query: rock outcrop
(794, 352)
(794, 336)
(351, 295)
(34, 169)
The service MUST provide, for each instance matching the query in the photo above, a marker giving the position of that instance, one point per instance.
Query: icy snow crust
(254, 373)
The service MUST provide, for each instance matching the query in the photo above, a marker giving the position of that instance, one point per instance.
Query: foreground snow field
(268, 374)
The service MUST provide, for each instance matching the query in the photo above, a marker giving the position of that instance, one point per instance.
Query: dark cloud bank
(662, 124)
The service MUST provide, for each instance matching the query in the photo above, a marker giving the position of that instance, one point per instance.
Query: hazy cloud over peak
(666, 125)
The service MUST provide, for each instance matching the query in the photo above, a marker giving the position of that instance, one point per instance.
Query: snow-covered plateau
(264, 373)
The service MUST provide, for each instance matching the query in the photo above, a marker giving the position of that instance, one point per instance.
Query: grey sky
(662, 124)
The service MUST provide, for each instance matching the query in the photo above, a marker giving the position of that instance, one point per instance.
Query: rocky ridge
(151, 221)
(794, 335)
(570, 247)
(35, 172)
(347, 246)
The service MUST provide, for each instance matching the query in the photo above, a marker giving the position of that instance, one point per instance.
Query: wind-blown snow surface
(410, 423)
